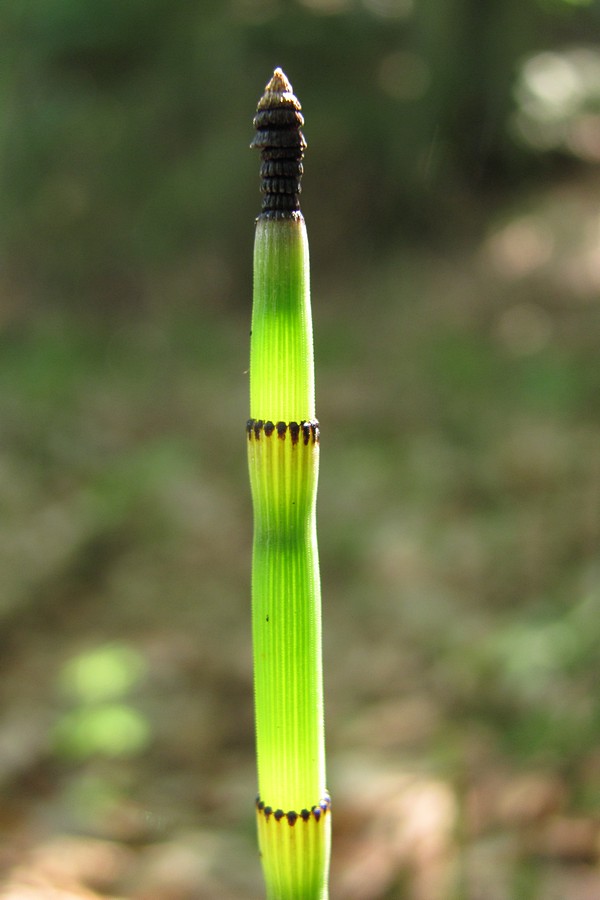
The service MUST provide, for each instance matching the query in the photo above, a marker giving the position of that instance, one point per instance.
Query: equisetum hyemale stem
(293, 807)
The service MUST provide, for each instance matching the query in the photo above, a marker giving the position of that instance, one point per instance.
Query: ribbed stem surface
(295, 856)
(287, 619)
(293, 808)
(281, 358)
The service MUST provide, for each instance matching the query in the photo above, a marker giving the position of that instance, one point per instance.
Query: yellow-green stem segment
(282, 381)
(293, 808)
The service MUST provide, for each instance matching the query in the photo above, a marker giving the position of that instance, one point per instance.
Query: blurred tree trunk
(473, 49)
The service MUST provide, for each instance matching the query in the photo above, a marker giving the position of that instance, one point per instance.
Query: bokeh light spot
(103, 673)
(108, 730)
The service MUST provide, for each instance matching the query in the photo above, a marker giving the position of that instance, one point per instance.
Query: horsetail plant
(292, 807)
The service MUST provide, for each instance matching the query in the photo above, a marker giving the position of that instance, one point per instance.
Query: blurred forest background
(452, 196)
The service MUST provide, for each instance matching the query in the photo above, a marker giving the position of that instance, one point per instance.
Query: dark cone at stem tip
(278, 121)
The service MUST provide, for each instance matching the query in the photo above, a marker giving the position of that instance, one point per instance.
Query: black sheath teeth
(281, 143)
(317, 812)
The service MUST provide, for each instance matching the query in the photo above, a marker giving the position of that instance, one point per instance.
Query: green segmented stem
(293, 808)
(281, 357)
(286, 620)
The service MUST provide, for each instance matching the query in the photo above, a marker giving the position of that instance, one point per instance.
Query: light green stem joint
(293, 810)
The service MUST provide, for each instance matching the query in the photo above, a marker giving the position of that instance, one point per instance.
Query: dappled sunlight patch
(549, 256)
(557, 93)
(102, 719)
(584, 138)
(505, 799)
(188, 865)
(102, 673)
(113, 729)
(394, 827)
(210, 862)
(69, 868)
(520, 247)
(99, 864)
(580, 272)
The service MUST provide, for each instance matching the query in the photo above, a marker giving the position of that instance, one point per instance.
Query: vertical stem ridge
(281, 355)
(283, 459)
(286, 617)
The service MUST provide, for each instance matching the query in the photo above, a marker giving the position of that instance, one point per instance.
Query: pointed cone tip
(279, 83)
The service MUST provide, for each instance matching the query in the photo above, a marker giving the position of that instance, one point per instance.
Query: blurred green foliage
(125, 176)
(101, 719)
(453, 218)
